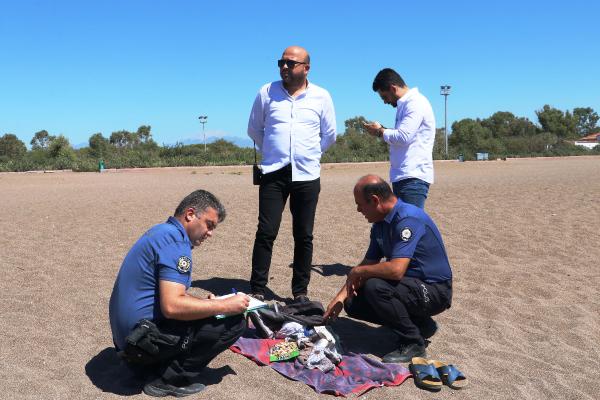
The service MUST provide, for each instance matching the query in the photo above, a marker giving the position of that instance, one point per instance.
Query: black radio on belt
(145, 342)
(257, 173)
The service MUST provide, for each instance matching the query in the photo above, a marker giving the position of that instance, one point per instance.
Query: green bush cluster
(505, 135)
(501, 135)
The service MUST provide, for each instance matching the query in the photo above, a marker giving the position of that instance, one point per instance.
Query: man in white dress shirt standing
(292, 123)
(411, 140)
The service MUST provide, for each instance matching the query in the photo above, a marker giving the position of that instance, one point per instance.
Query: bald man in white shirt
(292, 123)
(411, 140)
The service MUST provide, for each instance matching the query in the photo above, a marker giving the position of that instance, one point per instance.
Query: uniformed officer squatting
(152, 284)
(412, 284)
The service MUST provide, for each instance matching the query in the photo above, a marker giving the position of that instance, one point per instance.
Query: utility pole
(445, 91)
(203, 119)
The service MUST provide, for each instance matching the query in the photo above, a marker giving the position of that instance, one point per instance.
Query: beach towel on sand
(356, 373)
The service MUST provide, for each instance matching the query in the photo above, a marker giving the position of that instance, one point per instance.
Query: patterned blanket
(356, 373)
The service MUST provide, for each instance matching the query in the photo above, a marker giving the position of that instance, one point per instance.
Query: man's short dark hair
(385, 78)
(200, 200)
(380, 189)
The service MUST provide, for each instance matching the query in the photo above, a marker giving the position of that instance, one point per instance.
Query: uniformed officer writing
(412, 284)
(152, 284)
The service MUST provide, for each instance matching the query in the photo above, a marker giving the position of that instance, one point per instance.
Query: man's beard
(293, 80)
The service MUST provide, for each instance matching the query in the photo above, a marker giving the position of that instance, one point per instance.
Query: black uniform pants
(206, 338)
(405, 306)
(275, 188)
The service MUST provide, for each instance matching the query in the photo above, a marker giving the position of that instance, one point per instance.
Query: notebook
(255, 304)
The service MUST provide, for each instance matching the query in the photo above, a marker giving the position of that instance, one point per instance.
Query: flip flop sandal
(425, 375)
(450, 375)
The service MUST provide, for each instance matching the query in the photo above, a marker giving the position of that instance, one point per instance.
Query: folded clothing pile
(320, 351)
(271, 319)
(299, 324)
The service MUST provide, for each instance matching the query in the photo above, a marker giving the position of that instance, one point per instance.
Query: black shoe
(158, 388)
(301, 298)
(405, 353)
(258, 296)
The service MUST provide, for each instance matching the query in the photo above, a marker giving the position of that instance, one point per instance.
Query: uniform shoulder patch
(406, 234)
(184, 264)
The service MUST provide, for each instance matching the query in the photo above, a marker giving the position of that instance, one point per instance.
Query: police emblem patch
(406, 234)
(184, 264)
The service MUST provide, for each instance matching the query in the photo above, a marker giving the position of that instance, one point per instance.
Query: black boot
(405, 353)
(159, 388)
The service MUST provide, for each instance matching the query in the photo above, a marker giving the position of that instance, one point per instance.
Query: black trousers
(405, 306)
(206, 338)
(275, 188)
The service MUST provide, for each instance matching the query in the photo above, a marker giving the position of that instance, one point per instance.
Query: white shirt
(292, 130)
(411, 142)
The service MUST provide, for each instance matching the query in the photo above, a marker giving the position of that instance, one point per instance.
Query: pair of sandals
(432, 374)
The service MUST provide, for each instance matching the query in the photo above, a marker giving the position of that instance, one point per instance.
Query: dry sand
(522, 236)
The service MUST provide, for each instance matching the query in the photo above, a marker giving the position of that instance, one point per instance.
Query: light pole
(203, 119)
(445, 91)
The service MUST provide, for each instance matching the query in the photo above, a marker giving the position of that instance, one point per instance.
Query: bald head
(296, 53)
(373, 197)
(370, 185)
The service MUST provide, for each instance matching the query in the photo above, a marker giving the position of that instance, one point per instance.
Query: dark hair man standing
(292, 123)
(150, 290)
(411, 140)
(412, 284)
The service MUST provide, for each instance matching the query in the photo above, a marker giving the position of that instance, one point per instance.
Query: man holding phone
(411, 140)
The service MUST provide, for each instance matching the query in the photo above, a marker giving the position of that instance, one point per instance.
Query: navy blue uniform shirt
(407, 232)
(162, 253)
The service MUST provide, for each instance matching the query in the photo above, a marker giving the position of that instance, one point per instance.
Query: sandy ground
(522, 236)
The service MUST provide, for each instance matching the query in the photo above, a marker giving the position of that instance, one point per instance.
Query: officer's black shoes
(258, 296)
(159, 388)
(405, 353)
(301, 298)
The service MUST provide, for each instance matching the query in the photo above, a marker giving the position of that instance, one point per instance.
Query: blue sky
(81, 67)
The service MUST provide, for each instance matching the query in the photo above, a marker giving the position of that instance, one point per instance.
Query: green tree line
(505, 135)
(501, 135)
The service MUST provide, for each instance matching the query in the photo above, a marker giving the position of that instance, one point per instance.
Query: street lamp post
(445, 91)
(203, 119)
